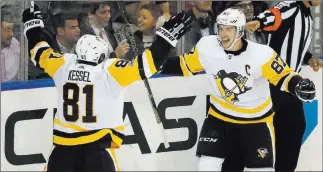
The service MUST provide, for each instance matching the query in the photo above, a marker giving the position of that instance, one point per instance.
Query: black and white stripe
(292, 39)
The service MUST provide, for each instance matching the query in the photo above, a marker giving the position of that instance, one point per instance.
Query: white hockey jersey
(90, 98)
(240, 85)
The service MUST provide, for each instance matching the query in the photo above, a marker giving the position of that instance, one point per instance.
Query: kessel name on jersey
(79, 75)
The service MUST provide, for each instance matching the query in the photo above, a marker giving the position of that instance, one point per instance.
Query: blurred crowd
(66, 21)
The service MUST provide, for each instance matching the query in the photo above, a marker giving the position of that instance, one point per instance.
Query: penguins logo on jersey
(231, 85)
(262, 152)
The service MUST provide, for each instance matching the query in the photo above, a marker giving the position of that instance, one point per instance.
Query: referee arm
(271, 19)
(315, 63)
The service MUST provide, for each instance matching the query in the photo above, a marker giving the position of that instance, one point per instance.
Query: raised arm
(41, 54)
(147, 63)
(185, 65)
(279, 74)
(271, 19)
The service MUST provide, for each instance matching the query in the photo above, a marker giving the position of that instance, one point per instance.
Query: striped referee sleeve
(271, 19)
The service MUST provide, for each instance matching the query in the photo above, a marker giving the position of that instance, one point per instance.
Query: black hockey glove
(305, 90)
(175, 28)
(32, 21)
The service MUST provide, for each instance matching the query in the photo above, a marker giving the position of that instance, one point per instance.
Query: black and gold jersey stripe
(213, 111)
(184, 65)
(280, 74)
(126, 73)
(44, 57)
(103, 138)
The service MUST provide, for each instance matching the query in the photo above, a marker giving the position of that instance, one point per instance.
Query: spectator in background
(248, 8)
(67, 32)
(165, 16)
(98, 23)
(132, 10)
(144, 32)
(203, 24)
(146, 22)
(10, 48)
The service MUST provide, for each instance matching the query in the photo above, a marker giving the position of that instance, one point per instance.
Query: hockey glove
(32, 21)
(175, 28)
(305, 90)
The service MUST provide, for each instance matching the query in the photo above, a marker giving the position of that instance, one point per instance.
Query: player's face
(102, 15)
(72, 31)
(203, 5)
(246, 7)
(6, 33)
(145, 21)
(227, 35)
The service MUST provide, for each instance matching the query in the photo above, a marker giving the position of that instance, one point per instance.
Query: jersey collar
(243, 48)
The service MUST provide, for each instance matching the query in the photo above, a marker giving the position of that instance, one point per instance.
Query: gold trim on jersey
(183, 67)
(217, 114)
(50, 65)
(242, 110)
(275, 75)
(33, 51)
(150, 61)
(114, 158)
(271, 128)
(50, 152)
(119, 128)
(116, 141)
(87, 138)
(190, 63)
(286, 82)
(127, 74)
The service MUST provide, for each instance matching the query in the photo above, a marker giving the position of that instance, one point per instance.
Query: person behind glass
(98, 23)
(248, 8)
(203, 24)
(146, 23)
(133, 8)
(67, 32)
(10, 48)
(144, 32)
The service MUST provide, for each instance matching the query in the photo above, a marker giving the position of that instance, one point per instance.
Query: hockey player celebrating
(88, 123)
(240, 113)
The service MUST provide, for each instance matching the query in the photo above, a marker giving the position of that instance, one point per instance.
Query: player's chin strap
(229, 48)
(231, 44)
(237, 38)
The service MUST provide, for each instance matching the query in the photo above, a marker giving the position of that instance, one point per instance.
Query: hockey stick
(150, 94)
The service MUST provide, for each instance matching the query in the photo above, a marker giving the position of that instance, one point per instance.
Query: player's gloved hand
(175, 28)
(32, 20)
(305, 90)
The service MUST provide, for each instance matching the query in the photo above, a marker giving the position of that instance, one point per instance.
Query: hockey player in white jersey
(88, 124)
(240, 113)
